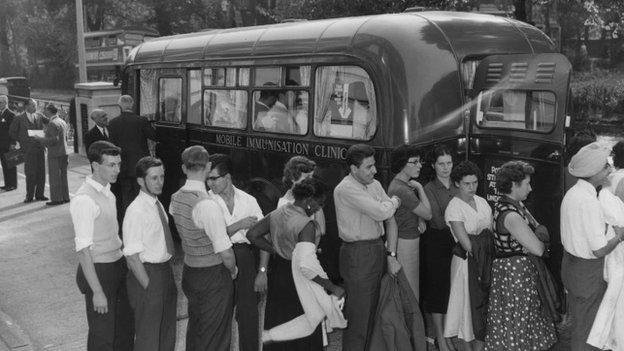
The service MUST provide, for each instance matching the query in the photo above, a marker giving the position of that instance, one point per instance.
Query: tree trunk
(520, 11)
(5, 59)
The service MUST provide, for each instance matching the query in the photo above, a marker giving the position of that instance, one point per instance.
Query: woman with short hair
(468, 215)
(515, 315)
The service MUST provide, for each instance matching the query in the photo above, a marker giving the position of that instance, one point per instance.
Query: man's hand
(337, 291)
(100, 304)
(261, 282)
(246, 222)
(393, 265)
(542, 233)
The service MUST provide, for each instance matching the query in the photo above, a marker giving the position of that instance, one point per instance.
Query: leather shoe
(9, 188)
(43, 198)
(54, 203)
(28, 200)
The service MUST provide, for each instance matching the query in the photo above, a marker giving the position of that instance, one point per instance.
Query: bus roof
(466, 34)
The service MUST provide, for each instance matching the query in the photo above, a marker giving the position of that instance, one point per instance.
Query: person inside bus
(171, 109)
(519, 241)
(278, 118)
(285, 226)
(301, 116)
(437, 244)
(411, 215)
(262, 106)
(240, 211)
(470, 218)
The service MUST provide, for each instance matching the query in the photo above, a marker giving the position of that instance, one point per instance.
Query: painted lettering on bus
(230, 140)
(291, 147)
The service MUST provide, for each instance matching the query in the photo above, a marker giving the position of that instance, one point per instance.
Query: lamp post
(82, 64)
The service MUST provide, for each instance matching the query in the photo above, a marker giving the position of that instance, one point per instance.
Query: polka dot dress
(515, 320)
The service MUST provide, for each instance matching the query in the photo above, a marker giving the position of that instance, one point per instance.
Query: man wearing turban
(583, 230)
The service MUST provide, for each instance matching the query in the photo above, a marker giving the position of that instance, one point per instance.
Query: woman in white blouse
(466, 214)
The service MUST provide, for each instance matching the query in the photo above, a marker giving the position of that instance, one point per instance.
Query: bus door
(170, 119)
(518, 113)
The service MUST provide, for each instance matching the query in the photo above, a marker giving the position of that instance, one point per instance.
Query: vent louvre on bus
(494, 72)
(518, 71)
(545, 72)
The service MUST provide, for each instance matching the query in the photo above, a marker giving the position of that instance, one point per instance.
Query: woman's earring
(309, 207)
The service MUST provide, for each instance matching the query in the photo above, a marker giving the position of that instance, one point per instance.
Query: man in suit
(6, 144)
(34, 163)
(54, 140)
(100, 131)
(130, 132)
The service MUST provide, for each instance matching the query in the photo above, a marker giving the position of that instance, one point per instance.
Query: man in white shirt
(148, 247)
(102, 271)
(241, 211)
(209, 262)
(362, 209)
(583, 230)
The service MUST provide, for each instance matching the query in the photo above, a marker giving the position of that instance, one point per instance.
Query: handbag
(13, 158)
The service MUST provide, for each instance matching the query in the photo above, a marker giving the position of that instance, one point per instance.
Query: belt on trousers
(364, 242)
(161, 265)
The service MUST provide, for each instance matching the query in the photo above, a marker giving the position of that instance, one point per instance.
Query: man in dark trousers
(148, 247)
(240, 211)
(99, 131)
(34, 163)
(130, 132)
(6, 144)
(54, 140)
(101, 274)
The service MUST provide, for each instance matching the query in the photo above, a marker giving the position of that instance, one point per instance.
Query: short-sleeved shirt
(245, 205)
(439, 197)
(583, 226)
(286, 223)
(474, 221)
(407, 221)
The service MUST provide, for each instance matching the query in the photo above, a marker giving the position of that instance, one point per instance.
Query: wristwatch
(262, 269)
(391, 254)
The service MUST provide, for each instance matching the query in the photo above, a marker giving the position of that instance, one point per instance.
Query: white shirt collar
(147, 198)
(99, 187)
(194, 185)
(586, 186)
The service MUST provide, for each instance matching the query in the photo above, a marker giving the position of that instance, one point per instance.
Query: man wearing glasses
(241, 211)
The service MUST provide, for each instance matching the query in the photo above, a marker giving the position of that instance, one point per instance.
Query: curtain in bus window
(194, 97)
(148, 92)
(345, 105)
(225, 108)
(169, 100)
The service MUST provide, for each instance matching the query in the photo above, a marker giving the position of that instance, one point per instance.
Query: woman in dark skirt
(516, 318)
(283, 227)
(437, 244)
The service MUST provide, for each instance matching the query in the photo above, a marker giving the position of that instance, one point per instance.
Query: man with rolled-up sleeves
(362, 208)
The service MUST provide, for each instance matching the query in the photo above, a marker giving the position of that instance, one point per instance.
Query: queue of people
(483, 285)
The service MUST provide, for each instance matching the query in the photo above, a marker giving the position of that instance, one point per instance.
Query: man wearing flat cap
(583, 230)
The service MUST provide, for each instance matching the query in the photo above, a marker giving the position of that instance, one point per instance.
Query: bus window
(214, 77)
(225, 108)
(243, 77)
(345, 105)
(147, 107)
(194, 96)
(516, 109)
(268, 76)
(281, 111)
(298, 76)
(169, 99)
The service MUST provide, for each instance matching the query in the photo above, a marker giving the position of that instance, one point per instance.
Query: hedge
(598, 95)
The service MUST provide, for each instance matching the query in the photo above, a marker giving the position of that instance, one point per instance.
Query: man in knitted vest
(102, 271)
(209, 262)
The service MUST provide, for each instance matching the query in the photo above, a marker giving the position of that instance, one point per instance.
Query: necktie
(105, 132)
(166, 230)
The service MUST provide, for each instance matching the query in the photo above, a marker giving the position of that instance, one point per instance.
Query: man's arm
(52, 135)
(359, 198)
(100, 303)
(148, 130)
(208, 216)
(392, 238)
(14, 129)
(138, 269)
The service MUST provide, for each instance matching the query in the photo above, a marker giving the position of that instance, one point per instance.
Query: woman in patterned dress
(516, 320)
(466, 214)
